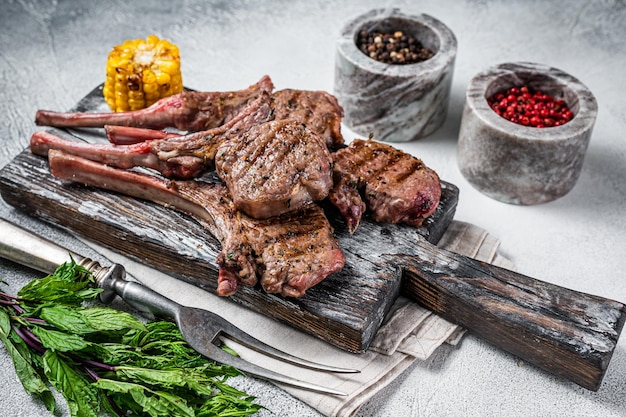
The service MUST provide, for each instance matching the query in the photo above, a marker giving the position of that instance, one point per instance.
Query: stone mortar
(394, 103)
(520, 164)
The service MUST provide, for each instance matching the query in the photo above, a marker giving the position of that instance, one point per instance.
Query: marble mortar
(519, 164)
(394, 103)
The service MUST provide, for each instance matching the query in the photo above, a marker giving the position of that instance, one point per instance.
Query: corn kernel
(136, 104)
(150, 88)
(140, 72)
(169, 67)
(152, 97)
(149, 77)
(152, 40)
(163, 78)
(135, 95)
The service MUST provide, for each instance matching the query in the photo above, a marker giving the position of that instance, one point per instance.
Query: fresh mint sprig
(102, 359)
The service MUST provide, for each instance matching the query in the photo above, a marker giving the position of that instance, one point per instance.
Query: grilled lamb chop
(196, 111)
(188, 111)
(318, 110)
(270, 168)
(274, 168)
(286, 254)
(394, 186)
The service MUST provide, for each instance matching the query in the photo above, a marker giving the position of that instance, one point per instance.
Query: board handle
(567, 333)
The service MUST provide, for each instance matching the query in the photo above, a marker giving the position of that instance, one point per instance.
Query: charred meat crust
(273, 153)
(274, 168)
(285, 254)
(395, 187)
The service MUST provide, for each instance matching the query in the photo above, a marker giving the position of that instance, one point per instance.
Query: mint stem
(29, 338)
(96, 364)
(18, 308)
(94, 375)
(34, 320)
(8, 296)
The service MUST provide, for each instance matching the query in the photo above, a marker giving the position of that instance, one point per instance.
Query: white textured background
(52, 53)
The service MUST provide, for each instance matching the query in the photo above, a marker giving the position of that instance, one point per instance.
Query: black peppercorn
(392, 47)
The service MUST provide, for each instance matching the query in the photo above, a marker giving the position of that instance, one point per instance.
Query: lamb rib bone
(286, 254)
(127, 135)
(174, 156)
(186, 111)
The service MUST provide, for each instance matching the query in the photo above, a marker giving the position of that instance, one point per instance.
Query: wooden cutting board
(345, 310)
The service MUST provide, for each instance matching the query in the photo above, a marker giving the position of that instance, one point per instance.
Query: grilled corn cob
(138, 73)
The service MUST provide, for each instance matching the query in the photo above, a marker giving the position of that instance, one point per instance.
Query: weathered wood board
(565, 332)
(346, 309)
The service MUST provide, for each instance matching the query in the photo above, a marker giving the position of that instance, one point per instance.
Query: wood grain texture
(567, 333)
(345, 310)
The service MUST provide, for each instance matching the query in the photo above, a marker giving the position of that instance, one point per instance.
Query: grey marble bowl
(521, 164)
(394, 103)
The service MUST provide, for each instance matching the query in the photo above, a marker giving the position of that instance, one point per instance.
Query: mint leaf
(81, 397)
(165, 378)
(107, 319)
(66, 318)
(59, 341)
(228, 406)
(5, 323)
(170, 379)
(113, 353)
(70, 284)
(28, 376)
(155, 403)
(89, 320)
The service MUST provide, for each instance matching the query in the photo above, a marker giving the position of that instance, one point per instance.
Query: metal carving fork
(202, 329)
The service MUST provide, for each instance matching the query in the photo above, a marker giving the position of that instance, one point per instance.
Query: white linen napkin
(409, 332)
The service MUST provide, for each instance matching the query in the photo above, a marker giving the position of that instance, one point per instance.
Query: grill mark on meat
(318, 110)
(265, 161)
(286, 254)
(393, 185)
(255, 150)
(270, 167)
(400, 164)
(269, 159)
(275, 167)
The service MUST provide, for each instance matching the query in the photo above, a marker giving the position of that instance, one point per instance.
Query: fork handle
(139, 296)
(565, 332)
(26, 248)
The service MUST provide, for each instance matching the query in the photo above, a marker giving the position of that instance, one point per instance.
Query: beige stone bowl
(522, 164)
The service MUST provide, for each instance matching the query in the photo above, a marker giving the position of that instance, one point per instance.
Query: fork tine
(238, 335)
(216, 353)
(202, 328)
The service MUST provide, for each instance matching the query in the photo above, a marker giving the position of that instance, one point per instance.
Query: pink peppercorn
(520, 105)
